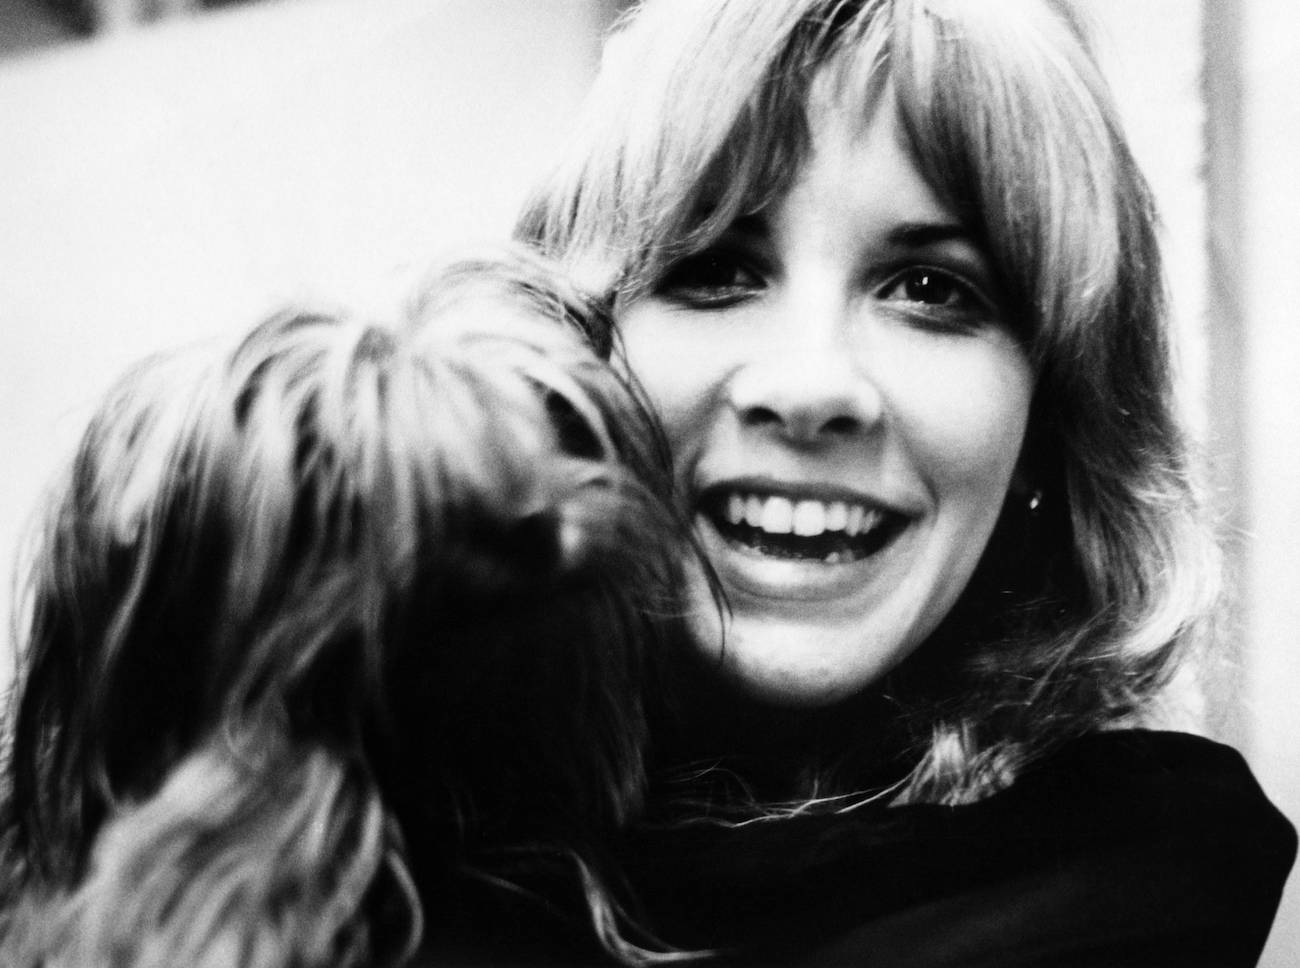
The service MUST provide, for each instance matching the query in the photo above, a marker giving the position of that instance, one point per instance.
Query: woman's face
(845, 405)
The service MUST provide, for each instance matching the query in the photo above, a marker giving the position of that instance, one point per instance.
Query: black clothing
(1124, 849)
(1129, 849)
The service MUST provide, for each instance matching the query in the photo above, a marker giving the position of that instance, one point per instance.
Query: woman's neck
(771, 753)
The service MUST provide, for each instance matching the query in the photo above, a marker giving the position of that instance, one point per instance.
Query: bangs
(1006, 114)
(698, 116)
(731, 159)
(752, 168)
(835, 54)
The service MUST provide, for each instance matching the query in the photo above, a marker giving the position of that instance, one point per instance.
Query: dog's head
(445, 551)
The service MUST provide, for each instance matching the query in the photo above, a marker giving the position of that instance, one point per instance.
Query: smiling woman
(890, 275)
(847, 407)
(897, 255)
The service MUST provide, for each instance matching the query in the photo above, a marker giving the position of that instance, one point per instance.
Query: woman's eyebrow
(752, 226)
(917, 235)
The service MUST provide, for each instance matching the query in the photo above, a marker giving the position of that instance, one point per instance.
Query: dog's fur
(324, 627)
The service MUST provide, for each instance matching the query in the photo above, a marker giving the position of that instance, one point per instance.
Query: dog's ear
(241, 856)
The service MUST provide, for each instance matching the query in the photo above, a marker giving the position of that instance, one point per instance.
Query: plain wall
(1267, 270)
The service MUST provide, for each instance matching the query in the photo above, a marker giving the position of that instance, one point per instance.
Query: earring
(1035, 500)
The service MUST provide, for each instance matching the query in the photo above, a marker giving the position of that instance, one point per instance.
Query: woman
(890, 275)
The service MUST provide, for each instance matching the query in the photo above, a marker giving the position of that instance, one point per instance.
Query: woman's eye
(938, 295)
(709, 279)
(929, 287)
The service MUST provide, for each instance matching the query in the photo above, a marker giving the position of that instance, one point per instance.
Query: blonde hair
(1079, 610)
(326, 626)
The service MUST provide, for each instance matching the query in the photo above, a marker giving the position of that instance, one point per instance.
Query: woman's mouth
(800, 528)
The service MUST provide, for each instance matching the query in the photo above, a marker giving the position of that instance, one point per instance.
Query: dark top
(1124, 849)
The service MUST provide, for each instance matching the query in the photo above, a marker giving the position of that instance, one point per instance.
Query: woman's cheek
(967, 405)
(677, 361)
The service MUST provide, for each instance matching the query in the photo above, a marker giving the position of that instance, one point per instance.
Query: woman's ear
(1037, 470)
(1026, 489)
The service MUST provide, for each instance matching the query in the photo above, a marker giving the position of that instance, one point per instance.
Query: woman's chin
(811, 634)
(793, 664)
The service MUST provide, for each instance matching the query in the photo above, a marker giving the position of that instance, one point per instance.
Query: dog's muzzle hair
(323, 627)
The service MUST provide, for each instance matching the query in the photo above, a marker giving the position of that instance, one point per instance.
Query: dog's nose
(512, 557)
(536, 541)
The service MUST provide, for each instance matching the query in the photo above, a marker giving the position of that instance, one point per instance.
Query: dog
(338, 631)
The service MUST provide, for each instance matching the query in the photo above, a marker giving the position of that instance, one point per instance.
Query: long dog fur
(325, 628)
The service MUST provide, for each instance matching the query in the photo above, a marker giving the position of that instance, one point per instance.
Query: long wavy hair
(327, 627)
(1083, 603)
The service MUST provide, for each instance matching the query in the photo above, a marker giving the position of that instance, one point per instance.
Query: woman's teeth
(806, 518)
(832, 532)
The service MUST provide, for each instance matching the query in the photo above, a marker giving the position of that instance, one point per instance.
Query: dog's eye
(576, 435)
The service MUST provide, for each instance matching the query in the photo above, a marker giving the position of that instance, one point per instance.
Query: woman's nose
(808, 395)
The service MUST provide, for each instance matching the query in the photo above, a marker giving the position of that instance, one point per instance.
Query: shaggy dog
(332, 636)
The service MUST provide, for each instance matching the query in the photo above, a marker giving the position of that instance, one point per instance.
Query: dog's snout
(505, 558)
